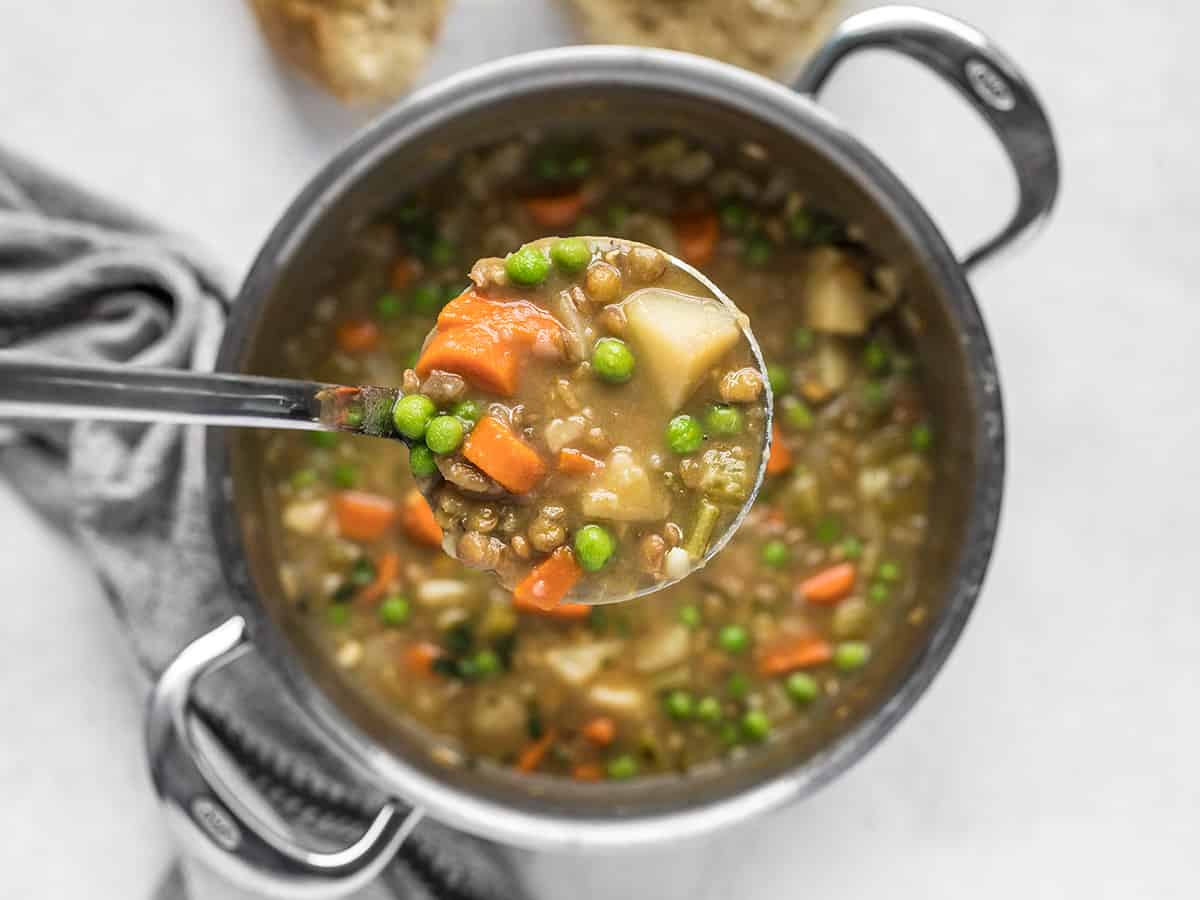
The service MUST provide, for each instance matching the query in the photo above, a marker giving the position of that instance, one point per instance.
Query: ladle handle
(31, 388)
(980, 72)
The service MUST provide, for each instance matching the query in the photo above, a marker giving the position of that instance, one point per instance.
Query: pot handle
(981, 73)
(218, 827)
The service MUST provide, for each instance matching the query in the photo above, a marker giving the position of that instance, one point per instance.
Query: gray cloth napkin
(82, 279)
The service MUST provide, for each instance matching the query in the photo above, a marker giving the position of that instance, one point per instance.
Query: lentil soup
(776, 636)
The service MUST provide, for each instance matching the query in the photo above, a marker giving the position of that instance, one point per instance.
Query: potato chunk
(678, 338)
(624, 492)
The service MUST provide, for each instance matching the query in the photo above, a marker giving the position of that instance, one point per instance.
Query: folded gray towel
(82, 279)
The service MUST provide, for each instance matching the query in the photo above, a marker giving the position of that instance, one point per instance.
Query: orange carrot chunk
(554, 210)
(550, 581)
(493, 447)
(419, 657)
(357, 336)
(829, 585)
(386, 572)
(600, 730)
(476, 353)
(697, 237)
(587, 772)
(576, 462)
(531, 757)
(795, 653)
(362, 516)
(518, 320)
(780, 459)
(564, 612)
(418, 522)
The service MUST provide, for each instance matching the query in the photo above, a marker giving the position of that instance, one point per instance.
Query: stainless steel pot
(566, 88)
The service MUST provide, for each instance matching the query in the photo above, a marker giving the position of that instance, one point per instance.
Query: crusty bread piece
(768, 36)
(358, 50)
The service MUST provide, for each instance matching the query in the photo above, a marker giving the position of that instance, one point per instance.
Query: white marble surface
(1056, 756)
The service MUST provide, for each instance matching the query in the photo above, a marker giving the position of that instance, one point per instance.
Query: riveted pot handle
(981, 73)
(219, 827)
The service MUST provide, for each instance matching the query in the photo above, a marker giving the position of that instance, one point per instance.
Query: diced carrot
(795, 653)
(476, 353)
(357, 336)
(493, 447)
(420, 657)
(417, 519)
(697, 237)
(517, 320)
(550, 581)
(587, 772)
(576, 462)
(780, 459)
(404, 272)
(600, 730)
(386, 572)
(554, 210)
(829, 585)
(362, 516)
(531, 757)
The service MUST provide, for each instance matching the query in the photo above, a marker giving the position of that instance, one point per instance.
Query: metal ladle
(34, 389)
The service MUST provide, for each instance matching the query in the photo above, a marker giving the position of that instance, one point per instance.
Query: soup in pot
(766, 641)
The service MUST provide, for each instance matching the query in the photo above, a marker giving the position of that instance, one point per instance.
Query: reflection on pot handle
(216, 825)
(982, 74)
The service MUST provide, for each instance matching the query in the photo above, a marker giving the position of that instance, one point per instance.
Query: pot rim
(791, 113)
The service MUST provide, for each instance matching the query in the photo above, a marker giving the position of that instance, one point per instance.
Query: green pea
(888, 571)
(527, 267)
(755, 725)
(733, 217)
(412, 414)
(852, 548)
(723, 420)
(388, 306)
(878, 593)
(579, 167)
(612, 360)
(426, 298)
(801, 225)
(571, 254)
(851, 655)
(304, 478)
(757, 251)
(337, 615)
(441, 253)
(690, 616)
(594, 546)
(738, 686)
(345, 476)
(874, 393)
(622, 767)
(776, 554)
(779, 377)
(421, 461)
(548, 168)
(828, 530)
(444, 434)
(875, 358)
(803, 339)
(796, 414)
(486, 663)
(733, 639)
(708, 709)
(729, 734)
(323, 440)
(352, 418)
(394, 611)
(802, 687)
(921, 437)
(679, 704)
(684, 435)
